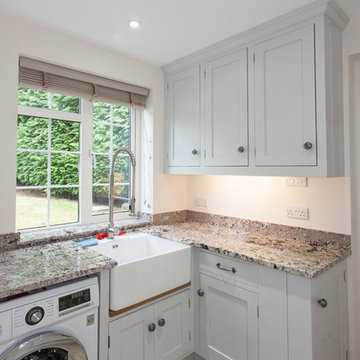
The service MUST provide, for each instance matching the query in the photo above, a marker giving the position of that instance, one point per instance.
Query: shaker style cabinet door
(228, 321)
(173, 321)
(183, 118)
(226, 110)
(285, 108)
(131, 337)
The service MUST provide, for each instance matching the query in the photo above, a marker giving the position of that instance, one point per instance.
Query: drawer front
(228, 267)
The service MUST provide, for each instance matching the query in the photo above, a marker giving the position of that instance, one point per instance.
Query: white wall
(266, 199)
(20, 37)
(352, 112)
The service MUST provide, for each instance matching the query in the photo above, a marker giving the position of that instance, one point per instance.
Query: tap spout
(111, 228)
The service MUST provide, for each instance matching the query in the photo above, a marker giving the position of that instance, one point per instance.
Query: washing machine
(60, 323)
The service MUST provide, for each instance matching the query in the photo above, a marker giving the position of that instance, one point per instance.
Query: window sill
(76, 232)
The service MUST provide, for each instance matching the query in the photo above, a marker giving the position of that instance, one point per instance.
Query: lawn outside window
(65, 144)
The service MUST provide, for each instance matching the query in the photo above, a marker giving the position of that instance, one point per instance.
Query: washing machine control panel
(46, 308)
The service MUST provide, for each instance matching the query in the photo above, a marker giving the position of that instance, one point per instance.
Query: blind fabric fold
(77, 83)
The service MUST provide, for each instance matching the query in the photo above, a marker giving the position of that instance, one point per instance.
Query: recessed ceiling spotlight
(134, 24)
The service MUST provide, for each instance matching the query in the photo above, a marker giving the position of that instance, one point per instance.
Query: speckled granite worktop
(308, 255)
(35, 267)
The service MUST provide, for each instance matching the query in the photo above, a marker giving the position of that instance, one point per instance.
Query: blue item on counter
(87, 242)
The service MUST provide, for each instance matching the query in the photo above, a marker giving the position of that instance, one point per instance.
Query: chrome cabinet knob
(308, 146)
(323, 303)
(201, 292)
(194, 152)
(151, 327)
(241, 149)
(161, 322)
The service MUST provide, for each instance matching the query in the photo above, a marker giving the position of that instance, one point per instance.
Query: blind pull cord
(131, 99)
(95, 93)
(45, 81)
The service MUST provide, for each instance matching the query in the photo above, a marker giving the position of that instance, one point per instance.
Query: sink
(147, 267)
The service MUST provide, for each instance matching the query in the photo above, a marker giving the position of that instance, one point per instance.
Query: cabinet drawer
(227, 267)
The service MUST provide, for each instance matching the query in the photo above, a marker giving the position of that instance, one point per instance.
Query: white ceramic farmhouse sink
(147, 266)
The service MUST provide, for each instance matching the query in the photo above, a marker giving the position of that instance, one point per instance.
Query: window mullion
(85, 197)
(48, 175)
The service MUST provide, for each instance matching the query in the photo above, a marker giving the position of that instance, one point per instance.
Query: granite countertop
(27, 269)
(317, 252)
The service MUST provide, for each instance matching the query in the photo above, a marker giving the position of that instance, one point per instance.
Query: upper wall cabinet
(226, 111)
(285, 111)
(183, 117)
(267, 102)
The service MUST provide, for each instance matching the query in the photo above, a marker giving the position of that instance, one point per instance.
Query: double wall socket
(297, 212)
(296, 181)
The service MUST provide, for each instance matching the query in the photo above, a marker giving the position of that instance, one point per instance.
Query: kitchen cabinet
(268, 101)
(285, 111)
(183, 118)
(161, 331)
(248, 311)
(226, 110)
(228, 321)
(317, 316)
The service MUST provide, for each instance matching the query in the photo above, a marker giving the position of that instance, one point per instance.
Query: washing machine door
(46, 346)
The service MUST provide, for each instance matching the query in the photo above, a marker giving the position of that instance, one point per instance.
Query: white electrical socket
(200, 201)
(297, 212)
(296, 181)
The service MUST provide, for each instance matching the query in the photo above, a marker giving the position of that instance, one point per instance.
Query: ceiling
(170, 28)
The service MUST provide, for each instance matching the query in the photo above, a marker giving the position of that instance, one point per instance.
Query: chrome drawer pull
(219, 266)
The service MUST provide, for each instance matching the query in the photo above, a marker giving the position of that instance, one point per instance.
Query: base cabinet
(228, 321)
(158, 332)
(247, 312)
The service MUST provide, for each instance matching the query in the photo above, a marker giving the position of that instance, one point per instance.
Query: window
(69, 126)
(50, 158)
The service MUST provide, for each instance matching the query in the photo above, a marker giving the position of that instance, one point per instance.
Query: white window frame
(85, 119)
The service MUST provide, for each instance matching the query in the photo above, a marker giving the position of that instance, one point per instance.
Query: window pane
(34, 98)
(65, 135)
(121, 115)
(101, 170)
(122, 205)
(64, 206)
(101, 199)
(101, 138)
(121, 137)
(122, 169)
(65, 103)
(64, 169)
(32, 133)
(31, 168)
(31, 208)
(100, 203)
(101, 111)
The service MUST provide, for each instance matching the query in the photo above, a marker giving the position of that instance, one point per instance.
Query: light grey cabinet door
(226, 110)
(173, 320)
(183, 118)
(228, 321)
(285, 108)
(130, 337)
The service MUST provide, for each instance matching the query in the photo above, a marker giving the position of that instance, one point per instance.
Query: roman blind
(48, 77)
